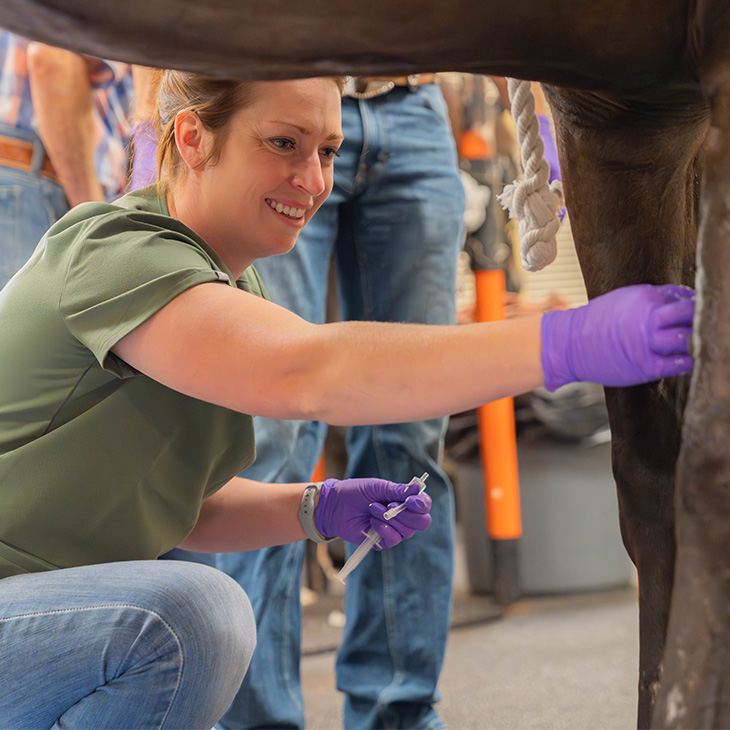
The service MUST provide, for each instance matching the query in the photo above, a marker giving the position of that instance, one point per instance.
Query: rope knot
(533, 203)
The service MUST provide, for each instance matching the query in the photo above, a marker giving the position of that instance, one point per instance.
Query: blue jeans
(29, 205)
(144, 644)
(393, 222)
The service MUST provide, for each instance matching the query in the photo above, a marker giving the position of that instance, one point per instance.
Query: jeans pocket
(434, 100)
(28, 206)
(11, 248)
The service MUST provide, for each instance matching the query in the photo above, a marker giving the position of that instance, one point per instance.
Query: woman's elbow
(50, 64)
(302, 397)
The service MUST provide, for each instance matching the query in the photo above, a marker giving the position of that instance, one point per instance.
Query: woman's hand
(629, 336)
(349, 508)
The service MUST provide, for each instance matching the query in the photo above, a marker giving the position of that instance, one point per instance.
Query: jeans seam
(288, 641)
(390, 620)
(396, 659)
(120, 605)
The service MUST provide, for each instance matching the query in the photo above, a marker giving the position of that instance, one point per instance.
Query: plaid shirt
(113, 93)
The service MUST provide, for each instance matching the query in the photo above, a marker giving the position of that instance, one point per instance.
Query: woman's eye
(283, 143)
(330, 153)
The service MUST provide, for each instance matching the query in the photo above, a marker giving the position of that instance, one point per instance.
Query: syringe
(372, 537)
(393, 511)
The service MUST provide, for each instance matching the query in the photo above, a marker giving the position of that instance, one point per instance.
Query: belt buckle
(412, 81)
(371, 89)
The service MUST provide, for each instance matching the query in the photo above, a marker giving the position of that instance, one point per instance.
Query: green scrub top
(98, 462)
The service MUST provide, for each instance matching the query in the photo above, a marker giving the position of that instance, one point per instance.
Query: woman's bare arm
(225, 346)
(247, 515)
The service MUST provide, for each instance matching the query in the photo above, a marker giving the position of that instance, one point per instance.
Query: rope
(531, 201)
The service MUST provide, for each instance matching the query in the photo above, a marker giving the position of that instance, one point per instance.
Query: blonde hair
(213, 100)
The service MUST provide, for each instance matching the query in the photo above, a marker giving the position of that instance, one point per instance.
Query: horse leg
(630, 170)
(695, 690)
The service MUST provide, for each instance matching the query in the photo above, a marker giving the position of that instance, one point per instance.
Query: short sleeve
(103, 73)
(121, 271)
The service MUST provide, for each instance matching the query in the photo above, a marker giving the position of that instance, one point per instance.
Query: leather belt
(18, 153)
(367, 87)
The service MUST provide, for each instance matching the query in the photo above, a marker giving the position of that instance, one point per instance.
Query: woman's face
(274, 171)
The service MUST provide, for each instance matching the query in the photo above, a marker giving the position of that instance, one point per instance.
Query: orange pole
(318, 473)
(498, 444)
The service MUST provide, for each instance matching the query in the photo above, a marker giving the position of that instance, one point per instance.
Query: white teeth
(286, 210)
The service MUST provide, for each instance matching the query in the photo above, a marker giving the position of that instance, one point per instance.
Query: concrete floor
(567, 662)
(556, 663)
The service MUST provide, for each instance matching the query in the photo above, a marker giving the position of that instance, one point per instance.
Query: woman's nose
(309, 177)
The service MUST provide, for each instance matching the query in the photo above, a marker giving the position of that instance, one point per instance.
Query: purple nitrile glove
(629, 336)
(144, 169)
(551, 151)
(349, 508)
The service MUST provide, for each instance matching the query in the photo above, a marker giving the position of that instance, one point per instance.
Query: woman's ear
(192, 139)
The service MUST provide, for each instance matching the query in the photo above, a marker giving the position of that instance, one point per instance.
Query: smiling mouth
(289, 212)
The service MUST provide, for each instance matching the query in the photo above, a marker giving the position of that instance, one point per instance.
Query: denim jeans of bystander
(29, 205)
(393, 223)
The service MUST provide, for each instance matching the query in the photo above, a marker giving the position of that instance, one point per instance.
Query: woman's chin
(277, 248)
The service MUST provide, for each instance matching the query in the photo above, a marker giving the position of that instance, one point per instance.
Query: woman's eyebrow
(304, 130)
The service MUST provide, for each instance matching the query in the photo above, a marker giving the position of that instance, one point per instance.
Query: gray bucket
(571, 540)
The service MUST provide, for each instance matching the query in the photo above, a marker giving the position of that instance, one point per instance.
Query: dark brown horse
(640, 91)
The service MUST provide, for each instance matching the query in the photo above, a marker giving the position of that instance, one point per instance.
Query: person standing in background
(394, 225)
(143, 168)
(64, 128)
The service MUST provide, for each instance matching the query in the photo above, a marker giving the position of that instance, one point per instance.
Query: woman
(135, 342)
